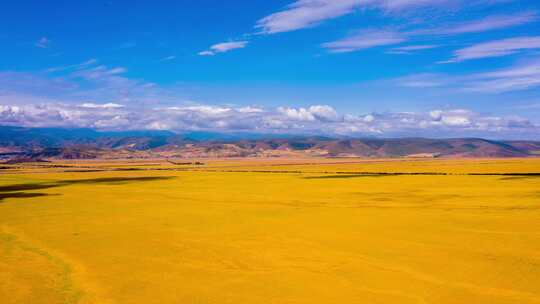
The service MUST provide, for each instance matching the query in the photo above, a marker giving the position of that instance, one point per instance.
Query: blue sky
(350, 67)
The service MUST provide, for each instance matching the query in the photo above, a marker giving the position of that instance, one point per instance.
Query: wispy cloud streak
(43, 43)
(223, 47)
(309, 13)
(363, 40)
(519, 77)
(497, 48)
(488, 23)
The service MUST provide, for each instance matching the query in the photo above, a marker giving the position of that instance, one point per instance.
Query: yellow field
(271, 231)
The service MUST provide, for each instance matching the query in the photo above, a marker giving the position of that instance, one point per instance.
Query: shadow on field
(16, 191)
(345, 176)
(520, 177)
(506, 176)
(20, 195)
(115, 180)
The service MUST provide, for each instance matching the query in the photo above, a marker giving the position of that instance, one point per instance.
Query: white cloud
(522, 76)
(305, 13)
(308, 13)
(399, 6)
(115, 71)
(324, 113)
(168, 58)
(425, 80)
(100, 72)
(497, 48)
(317, 119)
(43, 43)
(81, 65)
(80, 83)
(373, 38)
(249, 109)
(458, 118)
(368, 118)
(364, 40)
(491, 23)
(300, 114)
(408, 49)
(488, 23)
(157, 125)
(415, 47)
(204, 110)
(109, 105)
(114, 122)
(206, 53)
(223, 47)
(313, 113)
(118, 102)
(518, 77)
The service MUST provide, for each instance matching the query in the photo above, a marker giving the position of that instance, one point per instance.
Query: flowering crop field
(271, 231)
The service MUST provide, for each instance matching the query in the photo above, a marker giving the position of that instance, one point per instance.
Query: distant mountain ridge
(42, 143)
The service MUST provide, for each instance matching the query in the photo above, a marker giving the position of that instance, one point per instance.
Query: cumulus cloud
(497, 48)
(48, 115)
(316, 119)
(322, 113)
(363, 40)
(223, 47)
(459, 118)
(300, 114)
(249, 109)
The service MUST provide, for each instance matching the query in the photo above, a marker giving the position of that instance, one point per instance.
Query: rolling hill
(37, 143)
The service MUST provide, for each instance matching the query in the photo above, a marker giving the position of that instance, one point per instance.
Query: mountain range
(17, 143)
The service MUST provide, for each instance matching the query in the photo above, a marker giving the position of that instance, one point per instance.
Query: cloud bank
(316, 119)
